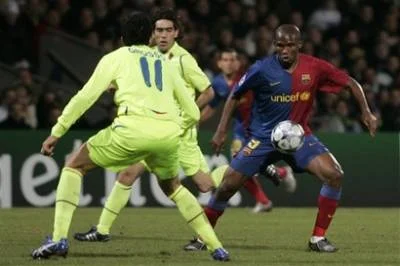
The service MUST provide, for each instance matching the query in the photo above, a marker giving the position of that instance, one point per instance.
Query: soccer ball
(287, 136)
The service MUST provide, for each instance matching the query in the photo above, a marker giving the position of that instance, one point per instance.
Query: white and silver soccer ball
(287, 136)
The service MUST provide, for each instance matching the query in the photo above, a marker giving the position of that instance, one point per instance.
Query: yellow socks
(195, 217)
(218, 174)
(117, 199)
(67, 199)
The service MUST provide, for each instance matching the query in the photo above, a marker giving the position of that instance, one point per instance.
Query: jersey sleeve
(100, 80)
(331, 78)
(192, 73)
(218, 95)
(185, 101)
(250, 80)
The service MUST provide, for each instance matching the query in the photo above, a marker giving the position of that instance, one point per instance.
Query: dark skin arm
(205, 97)
(367, 117)
(219, 137)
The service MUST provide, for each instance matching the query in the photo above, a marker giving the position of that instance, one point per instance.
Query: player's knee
(126, 178)
(231, 182)
(335, 177)
(206, 187)
(76, 164)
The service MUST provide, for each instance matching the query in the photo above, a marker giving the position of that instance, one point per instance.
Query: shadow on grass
(141, 238)
(123, 254)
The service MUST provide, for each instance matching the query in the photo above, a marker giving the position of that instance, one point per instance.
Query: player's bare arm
(218, 139)
(205, 97)
(97, 84)
(367, 117)
(206, 113)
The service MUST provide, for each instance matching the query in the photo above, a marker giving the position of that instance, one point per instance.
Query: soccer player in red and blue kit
(284, 87)
(223, 84)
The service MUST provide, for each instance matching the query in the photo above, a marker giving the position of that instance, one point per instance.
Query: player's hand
(218, 141)
(48, 145)
(371, 122)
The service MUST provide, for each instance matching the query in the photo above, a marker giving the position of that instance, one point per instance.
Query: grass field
(153, 236)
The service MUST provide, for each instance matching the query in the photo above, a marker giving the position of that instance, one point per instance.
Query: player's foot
(220, 254)
(50, 248)
(288, 181)
(92, 236)
(195, 245)
(260, 207)
(272, 174)
(322, 245)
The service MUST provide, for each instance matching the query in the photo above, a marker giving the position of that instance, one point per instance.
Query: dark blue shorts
(259, 153)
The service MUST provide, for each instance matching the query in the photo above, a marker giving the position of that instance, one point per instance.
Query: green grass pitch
(155, 236)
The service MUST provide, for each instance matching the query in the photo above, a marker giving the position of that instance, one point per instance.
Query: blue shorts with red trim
(259, 153)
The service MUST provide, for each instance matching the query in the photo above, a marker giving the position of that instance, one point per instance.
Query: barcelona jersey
(280, 95)
(241, 118)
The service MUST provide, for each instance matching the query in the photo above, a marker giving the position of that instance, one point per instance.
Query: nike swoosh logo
(274, 83)
(312, 144)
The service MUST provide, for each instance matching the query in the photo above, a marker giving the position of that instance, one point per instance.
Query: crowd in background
(362, 37)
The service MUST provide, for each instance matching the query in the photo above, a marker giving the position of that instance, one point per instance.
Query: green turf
(152, 236)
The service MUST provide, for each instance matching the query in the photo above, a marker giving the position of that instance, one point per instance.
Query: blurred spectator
(47, 101)
(24, 97)
(391, 112)
(297, 19)
(16, 118)
(339, 121)
(7, 99)
(362, 37)
(326, 17)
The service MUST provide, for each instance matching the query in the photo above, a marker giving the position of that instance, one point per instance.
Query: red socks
(326, 210)
(254, 187)
(212, 215)
(282, 172)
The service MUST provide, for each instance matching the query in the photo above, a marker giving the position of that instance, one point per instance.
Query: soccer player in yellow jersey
(191, 159)
(148, 127)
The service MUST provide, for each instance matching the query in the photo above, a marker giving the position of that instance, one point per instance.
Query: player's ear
(300, 44)
(176, 33)
(152, 41)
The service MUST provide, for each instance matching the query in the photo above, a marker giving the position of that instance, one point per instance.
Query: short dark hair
(226, 50)
(137, 29)
(168, 14)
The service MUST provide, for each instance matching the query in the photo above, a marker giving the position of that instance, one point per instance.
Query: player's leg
(164, 164)
(103, 149)
(281, 175)
(246, 164)
(233, 180)
(316, 159)
(67, 199)
(117, 200)
(193, 163)
(263, 203)
(330, 172)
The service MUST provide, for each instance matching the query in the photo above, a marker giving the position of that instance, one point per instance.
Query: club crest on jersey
(305, 78)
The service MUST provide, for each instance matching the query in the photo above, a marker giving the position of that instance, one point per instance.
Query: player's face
(228, 63)
(287, 47)
(164, 34)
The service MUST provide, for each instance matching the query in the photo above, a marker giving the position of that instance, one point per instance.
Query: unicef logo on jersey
(286, 98)
(242, 79)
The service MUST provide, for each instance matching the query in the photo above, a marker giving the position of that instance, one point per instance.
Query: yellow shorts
(191, 158)
(131, 139)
